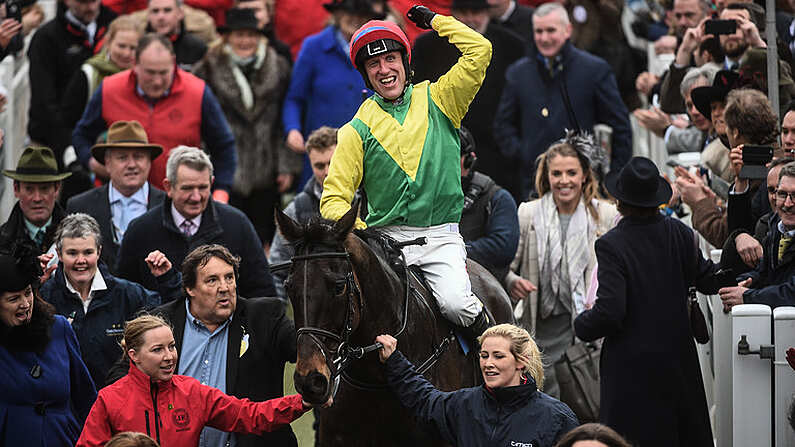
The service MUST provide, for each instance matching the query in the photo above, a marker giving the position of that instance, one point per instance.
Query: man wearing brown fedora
(36, 215)
(127, 156)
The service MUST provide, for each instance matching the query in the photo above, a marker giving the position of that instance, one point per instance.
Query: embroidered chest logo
(523, 444)
(175, 116)
(181, 419)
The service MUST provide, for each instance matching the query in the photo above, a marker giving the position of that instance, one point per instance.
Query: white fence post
(722, 352)
(784, 337)
(751, 384)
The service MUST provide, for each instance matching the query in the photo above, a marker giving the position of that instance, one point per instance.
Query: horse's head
(326, 300)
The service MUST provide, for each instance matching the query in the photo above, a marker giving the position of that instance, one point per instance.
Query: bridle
(346, 352)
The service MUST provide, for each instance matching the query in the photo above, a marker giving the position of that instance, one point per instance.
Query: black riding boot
(476, 329)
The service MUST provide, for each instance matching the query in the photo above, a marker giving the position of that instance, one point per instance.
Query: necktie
(783, 244)
(39, 238)
(187, 226)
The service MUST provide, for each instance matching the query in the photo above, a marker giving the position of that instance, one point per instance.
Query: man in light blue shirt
(127, 156)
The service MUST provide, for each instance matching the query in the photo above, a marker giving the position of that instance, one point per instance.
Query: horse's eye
(339, 286)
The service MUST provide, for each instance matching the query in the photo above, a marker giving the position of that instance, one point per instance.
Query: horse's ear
(289, 228)
(346, 222)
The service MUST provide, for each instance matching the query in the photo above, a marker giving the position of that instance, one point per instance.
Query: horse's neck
(382, 292)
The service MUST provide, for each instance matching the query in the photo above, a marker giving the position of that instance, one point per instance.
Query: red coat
(175, 412)
(174, 120)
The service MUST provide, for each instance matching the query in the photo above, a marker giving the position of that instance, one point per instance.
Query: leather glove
(421, 16)
(791, 357)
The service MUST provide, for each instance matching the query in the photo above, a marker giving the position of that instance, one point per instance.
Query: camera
(717, 27)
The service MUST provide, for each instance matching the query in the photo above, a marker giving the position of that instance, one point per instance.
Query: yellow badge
(544, 112)
(243, 345)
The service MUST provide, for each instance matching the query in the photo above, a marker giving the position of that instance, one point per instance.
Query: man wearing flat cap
(36, 215)
(127, 155)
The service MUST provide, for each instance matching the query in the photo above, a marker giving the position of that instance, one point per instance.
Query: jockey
(403, 147)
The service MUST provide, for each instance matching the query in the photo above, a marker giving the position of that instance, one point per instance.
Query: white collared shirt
(97, 284)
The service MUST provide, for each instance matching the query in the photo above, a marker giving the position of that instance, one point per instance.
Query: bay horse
(344, 294)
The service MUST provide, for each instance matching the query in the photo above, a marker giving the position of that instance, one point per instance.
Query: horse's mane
(319, 232)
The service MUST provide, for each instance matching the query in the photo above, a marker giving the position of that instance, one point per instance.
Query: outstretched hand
(421, 16)
(389, 344)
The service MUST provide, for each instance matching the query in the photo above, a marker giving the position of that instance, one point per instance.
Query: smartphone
(754, 160)
(717, 27)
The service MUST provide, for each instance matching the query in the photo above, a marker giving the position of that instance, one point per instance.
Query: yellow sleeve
(344, 176)
(457, 88)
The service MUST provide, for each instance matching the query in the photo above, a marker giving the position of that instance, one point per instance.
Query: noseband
(345, 351)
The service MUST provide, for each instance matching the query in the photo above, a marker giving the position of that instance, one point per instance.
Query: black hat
(19, 268)
(375, 9)
(703, 97)
(470, 4)
(639, 184)
(239, 19)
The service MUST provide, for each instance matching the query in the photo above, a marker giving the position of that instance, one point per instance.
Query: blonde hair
(590, 188)
(135, 329)
(122, 23)
(131, 439)
(523, 348)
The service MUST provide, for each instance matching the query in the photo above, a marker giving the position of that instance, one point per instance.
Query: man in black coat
(432, 56)
(554, 88)
(651, 390)
(189, 218)
(166, 17)
(517, 18)
(56, 52)
(773, 280)
(127, 155)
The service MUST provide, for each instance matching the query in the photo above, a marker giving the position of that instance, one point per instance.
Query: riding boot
(476, 329)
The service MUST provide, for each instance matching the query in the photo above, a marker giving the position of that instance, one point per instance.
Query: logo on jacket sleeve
(181, 419)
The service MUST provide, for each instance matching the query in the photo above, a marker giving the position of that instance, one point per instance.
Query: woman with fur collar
(250, 80)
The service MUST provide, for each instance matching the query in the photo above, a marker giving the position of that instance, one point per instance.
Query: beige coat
(526, 263)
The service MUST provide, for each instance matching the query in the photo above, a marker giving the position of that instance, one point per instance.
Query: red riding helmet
(377, 37)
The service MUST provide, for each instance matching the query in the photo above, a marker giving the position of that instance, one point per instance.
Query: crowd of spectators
(164, 133)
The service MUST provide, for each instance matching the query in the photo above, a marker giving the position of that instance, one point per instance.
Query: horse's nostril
(317, 383)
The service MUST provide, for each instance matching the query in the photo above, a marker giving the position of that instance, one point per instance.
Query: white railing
(14, 120)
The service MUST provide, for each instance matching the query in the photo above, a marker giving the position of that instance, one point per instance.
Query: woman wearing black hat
(47, 391)
(651, 387)
(250, 79)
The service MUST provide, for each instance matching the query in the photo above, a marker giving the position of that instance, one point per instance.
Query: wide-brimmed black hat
(126, 135)
(703, 97)
(639, 183)
(240, 19)
(375, 9)
(470, 4)
(36, 165)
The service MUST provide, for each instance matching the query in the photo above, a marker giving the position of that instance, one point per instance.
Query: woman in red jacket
(170, 408)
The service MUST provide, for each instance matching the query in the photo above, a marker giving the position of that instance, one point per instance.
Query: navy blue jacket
(773, 280)
(532, 114)
(221, 224)
(100, 330)
(479, 416)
